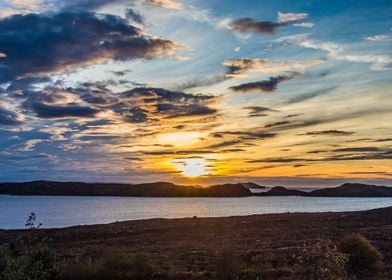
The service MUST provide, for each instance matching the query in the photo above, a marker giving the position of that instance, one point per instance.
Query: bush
(27, 263)
(320, 261)
(364, 258)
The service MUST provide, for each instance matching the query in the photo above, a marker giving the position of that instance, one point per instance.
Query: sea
(66, 211)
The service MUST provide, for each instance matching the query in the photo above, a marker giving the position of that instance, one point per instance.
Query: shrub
(320, 261)
(27, 263)
(364, 258)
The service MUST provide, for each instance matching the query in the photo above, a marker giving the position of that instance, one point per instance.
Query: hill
(157, 189)
(282, 191)
(251, 185)
(354, 190)
(166, 189)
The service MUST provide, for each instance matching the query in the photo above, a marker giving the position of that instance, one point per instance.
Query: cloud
(246, 135)
(201, 82)
(304, 24)
(377, 155)
(133, 114)
(249, 25)
(378, 38)
(158, 103)
(131, 14)
(290, 17)
(12, 7)
(72, 111)
(330, 133)
(310, 95)
(384, 140)
(276, 124)
(28, 145)
(9, 118)
(258, 111)
(168, 4)
(265, 86)
(338, 52)
(191, 110)
(223, 144)
(71, 40)
(358, 149)
(181, 58)
(239, 67)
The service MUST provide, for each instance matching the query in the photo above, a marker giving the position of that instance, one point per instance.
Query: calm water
(62, 211)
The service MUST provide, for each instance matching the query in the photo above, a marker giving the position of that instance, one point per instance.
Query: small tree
(30, 223)
(320, 261)
(364, 258)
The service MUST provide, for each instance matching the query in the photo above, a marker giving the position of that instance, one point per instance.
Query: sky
(196, 92)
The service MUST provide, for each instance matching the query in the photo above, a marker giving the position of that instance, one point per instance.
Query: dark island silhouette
(166, 189)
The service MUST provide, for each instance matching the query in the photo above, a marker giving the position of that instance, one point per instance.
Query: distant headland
(166, 189)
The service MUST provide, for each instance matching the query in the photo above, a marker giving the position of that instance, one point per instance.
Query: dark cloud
(172, 104)
(310, 95)
(330, 132)
(134, 114)
(246, 135)
(135, 106)
(383, 140)
(278, 160)
(89, 5)
(265, 86)
(191, 110)
(36, 44)
(367, 156)
(372, 173)
(259, 111)
(162, 95)
(239, 66)
(53, 111)
(131, 14)
(120, 73)
(294, 115)
(370, 155)
(8, 117)
(223, 144)
(202, 82)
(358, 149)
(249, 25)
(275, 124)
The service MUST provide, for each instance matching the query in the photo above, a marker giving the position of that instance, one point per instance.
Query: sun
(192, 167)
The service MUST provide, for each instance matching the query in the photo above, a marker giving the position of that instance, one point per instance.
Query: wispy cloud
(289, 17)
(338, 52)
(168, 4)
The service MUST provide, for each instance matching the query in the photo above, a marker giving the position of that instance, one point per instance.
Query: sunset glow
(136, 91)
